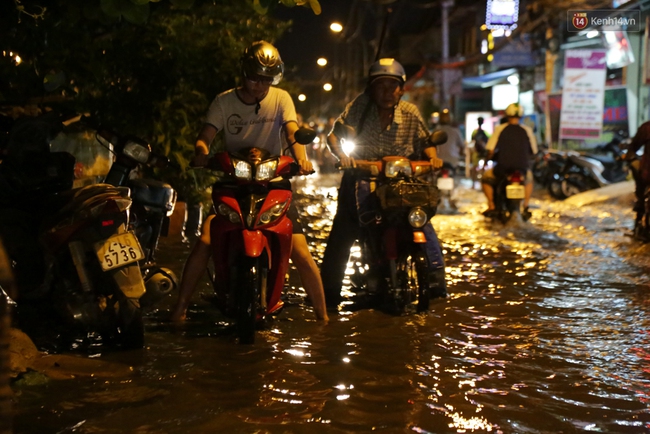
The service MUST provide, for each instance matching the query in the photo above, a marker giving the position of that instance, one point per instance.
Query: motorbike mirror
(343, 131)
(305, 135)
(160, 161)
(437, 138)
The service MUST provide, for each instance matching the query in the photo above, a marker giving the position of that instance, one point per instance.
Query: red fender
(254, 243)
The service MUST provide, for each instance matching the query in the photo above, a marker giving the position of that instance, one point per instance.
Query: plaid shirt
(406, 134)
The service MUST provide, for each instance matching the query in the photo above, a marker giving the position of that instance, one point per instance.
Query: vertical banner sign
(583, 94)
(646, 51)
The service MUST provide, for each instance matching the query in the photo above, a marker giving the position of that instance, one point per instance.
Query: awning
(489, 79)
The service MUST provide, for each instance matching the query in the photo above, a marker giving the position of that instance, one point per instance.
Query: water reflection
(545, 331)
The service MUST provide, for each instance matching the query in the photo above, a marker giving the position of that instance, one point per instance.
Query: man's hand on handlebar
(436, 162)
(306, 167)
(346, 162)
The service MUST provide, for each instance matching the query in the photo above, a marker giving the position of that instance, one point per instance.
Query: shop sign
(583, 94)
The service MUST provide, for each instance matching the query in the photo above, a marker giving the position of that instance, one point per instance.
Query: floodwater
(546, 330)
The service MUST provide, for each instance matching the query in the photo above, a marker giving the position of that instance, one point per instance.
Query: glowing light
(302, 97)
(336, 27)
(327, 87)
(18, 59)
(321, 61)
(296, 353)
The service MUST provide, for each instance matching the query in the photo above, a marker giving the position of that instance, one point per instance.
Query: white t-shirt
(244, 127)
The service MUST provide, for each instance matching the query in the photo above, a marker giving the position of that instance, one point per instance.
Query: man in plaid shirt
(385, 125)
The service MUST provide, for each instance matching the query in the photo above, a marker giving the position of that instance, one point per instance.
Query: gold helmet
(262, 58)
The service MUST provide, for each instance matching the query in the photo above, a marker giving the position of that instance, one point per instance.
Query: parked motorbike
(71, 249)
(509, 194)
(153, 204)
(251, 233)
(6, 394)
(393, 215)
(587, 171)
(546, 165)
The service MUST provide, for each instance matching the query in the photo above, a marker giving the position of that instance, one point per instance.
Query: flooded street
(546, 329)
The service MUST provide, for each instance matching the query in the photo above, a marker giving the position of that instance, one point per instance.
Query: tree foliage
(145, 67)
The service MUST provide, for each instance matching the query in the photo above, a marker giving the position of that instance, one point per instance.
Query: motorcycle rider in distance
(640, 169)
(385, 125)
(512, 147)
(453, 150)
(264, 112)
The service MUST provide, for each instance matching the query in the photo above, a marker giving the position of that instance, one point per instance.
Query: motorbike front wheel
(555, 189)
(247, 298)
(577, 183)
(412, 290)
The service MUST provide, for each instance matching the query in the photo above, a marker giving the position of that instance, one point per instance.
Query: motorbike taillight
(516, 177)
(444, 173)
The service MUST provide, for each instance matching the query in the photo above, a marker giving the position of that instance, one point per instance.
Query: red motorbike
(251, 232)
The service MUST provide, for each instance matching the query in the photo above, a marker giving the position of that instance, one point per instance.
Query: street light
(327, 87)
(336, 27)
(302, 97)
(321, 61)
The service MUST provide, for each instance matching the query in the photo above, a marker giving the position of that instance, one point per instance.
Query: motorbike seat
(605, 159)
(153, 193)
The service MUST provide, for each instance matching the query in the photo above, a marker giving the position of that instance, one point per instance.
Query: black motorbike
(72, 250)
(400, 200)
(583, 171)
(546, 165)
(153, 204)
(509, 193)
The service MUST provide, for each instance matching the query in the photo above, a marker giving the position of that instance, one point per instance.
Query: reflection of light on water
(296, 353)
(343, 387)
(473, 423)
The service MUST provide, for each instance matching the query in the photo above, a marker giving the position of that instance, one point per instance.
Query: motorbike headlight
(266, 170)
(273, 213)
(347, 146)
(395, 167)
(137, 152)
(421, 169)
(226, 211)
(242, 169)
(417, 217)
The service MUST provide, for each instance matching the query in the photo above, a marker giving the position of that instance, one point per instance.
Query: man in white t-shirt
(253, 114)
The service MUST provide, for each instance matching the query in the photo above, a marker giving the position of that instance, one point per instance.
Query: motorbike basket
(404, 194)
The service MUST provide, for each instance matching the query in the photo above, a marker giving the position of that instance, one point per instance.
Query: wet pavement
(545, 330)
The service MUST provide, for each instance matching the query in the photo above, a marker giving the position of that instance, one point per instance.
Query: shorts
(293, 215)
(490, 178)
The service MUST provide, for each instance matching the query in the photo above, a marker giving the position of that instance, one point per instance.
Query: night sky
(310, 36)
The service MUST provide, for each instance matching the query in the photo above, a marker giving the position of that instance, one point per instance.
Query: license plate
(118, 250)
(515, 192)
(446, 183)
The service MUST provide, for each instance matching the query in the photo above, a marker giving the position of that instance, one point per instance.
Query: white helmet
(387, 67)
(515, 110)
